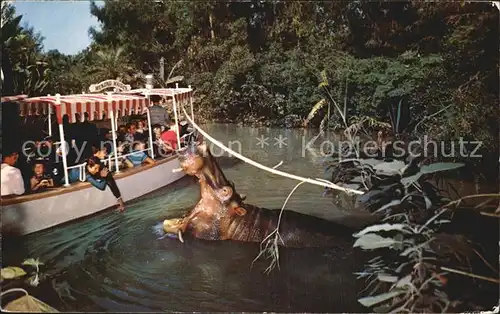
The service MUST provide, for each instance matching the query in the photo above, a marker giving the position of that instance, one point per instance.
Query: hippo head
(197, 160)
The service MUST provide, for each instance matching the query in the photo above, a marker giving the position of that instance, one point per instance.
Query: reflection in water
(116, 262)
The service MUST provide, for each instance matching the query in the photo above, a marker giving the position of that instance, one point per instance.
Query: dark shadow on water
(11, 231)
(119, 264)
(207, 276)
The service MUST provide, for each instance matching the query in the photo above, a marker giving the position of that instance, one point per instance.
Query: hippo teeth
(179, 233)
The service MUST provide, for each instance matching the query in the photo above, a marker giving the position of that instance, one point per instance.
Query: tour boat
(31, 213)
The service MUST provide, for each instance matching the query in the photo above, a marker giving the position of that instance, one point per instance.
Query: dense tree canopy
(262, 60)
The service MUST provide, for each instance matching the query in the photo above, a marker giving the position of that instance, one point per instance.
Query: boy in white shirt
(12, 179)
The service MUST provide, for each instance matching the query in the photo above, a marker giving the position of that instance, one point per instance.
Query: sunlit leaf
(428, 202)
(34, 280)
(324, 79)
(440, 166)
(371, 301)
(372, 241)
(390, 204)
(32, 262)
(382, 227)
(315, 109)
(12, 272)
(393, 167)
(405, 281)
(387, 278)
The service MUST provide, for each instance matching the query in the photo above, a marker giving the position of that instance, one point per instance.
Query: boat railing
(132, 153)
(81, 173)
(188, 137)
(106, 161)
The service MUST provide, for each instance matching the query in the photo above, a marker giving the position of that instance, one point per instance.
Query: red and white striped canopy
(97, 106)
(182, 95)
(14, 98)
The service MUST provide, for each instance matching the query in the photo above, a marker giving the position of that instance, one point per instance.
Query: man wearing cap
(159, 115)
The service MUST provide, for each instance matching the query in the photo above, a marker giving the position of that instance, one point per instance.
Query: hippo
(222, 214)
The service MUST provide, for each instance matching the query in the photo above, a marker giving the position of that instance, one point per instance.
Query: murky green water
(116, 262)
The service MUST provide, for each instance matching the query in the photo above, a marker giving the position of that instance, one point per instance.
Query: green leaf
(407, 181)
(393, 167)
(315, 109)
(34, 280)
(387, 278)
(440, 166)
(12, 272)
(432, 168)
(405, 281)
(382, 227)
(371, 301)
(324, 79)
(32, 262)
(390, 204)
(372, 241)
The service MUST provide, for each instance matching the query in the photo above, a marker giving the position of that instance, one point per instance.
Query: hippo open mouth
(221, 214)
(196, 160)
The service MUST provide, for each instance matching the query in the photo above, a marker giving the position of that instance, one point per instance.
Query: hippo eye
(226, 191)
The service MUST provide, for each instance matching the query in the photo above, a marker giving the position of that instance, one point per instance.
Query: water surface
(116, 262)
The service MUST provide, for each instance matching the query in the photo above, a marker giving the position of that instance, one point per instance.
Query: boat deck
(14, 199)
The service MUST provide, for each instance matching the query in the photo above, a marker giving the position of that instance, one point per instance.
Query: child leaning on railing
(99, 176)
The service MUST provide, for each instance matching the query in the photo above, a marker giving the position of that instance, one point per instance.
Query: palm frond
(315, 110)
(324, 79)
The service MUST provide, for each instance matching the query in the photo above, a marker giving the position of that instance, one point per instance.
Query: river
(116, 262)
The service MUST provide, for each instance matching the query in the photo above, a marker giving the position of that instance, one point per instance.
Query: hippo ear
(240, 211)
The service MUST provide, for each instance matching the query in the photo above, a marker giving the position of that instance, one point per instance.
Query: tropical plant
(22, 49)
(111, 63)
(14, 272)
(424, 241)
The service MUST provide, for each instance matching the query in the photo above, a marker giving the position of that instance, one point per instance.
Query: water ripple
(119, 262)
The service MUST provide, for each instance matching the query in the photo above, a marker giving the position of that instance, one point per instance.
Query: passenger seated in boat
(157, 142)
(139, 157)
(12, 180)
(99, 176)
(142, 127)
(132, 134)
(169, 137)
(48, 153)
(156, 132)
(122, 131)
(40, 180)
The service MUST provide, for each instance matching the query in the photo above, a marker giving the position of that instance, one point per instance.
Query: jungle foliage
(426, 247)
(263, 61)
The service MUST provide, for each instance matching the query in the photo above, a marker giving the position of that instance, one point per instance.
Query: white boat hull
(32, 213)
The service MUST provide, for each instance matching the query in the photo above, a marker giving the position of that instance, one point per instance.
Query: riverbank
(478, 170)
